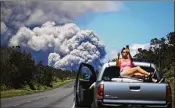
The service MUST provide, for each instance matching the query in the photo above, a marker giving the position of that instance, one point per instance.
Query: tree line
(19, 69)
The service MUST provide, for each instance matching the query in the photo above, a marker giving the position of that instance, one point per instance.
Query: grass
(25, 91)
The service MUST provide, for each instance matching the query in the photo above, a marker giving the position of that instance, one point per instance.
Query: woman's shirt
(125, 64)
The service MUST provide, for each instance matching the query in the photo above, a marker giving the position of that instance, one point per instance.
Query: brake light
(100, 91)
(168, 93)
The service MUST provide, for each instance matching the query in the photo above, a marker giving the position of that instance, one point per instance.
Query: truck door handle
(134, 87)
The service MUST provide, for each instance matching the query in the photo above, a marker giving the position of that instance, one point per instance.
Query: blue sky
(138, 23)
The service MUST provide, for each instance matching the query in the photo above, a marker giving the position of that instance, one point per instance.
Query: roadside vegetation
(27, 90)
(21, 75)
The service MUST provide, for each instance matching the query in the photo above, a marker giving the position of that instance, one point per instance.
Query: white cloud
(70, 45)
(39, 12)
(52, 58)
(111, 54)
(18, 14)
(60, 11)
(134, 47)
(114, 54)
(67, 11)
(66, 41)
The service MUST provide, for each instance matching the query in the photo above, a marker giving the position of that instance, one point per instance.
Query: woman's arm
(129, 54)
(130, 57)
(118, 60)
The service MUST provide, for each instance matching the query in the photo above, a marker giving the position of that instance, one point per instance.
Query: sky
(63, 34)
(136, 23)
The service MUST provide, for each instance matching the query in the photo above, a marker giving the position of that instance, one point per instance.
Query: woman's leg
(138, 74)
(130, 71)
(133, 70)
(143, 71)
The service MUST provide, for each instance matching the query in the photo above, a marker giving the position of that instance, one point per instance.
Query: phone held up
(127, 46)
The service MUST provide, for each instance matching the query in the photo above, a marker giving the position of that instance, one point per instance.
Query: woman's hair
(123, 49)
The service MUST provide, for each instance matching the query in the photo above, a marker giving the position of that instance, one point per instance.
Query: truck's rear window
(114, 72)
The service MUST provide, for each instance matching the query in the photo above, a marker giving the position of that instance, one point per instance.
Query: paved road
(61, 97)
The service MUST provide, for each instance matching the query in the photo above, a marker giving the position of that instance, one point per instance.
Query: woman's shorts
(122, 74)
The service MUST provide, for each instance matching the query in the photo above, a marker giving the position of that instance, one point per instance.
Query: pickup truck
(109, 90)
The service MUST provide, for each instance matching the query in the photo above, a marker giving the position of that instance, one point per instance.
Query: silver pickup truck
(109, 90)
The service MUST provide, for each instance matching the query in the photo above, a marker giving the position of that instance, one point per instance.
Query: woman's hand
(128, 50)
(118, 60)
(118, 55)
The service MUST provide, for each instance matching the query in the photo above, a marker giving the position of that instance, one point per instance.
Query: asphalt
(61, 97)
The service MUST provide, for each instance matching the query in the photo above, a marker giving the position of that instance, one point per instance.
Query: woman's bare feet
(152, 75)
(154, 80)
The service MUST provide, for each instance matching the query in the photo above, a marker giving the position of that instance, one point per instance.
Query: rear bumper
(168, 105)
(104, 105)
(143, 106)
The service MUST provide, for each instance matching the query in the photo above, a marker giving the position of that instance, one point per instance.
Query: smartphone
(127, 46)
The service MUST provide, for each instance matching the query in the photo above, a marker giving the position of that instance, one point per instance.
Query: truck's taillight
(168, 93)
(100, 91)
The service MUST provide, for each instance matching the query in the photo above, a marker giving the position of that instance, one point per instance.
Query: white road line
(29, 101)
(73, 106)
(54, 94)
(16, 105)
(43, 97)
